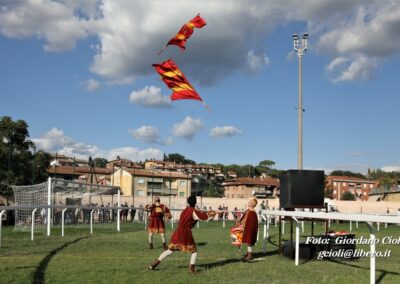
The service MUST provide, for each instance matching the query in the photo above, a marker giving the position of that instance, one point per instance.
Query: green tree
(178, 159)
(189, 162)
(347, 173)
(100, 162)
(15, 154)
(385, 181)
(347, 196)
(40, 164)
(175, 157)
(385, 178)
(266, 164)
(328, 193)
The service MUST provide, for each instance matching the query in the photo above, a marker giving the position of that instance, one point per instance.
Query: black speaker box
(306, 251)
(301, 188)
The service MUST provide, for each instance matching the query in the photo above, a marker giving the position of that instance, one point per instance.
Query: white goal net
(65, 192)
(30, 195)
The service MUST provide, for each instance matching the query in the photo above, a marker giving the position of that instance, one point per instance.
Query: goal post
(49, 209)
(58, 193)
(30, 195)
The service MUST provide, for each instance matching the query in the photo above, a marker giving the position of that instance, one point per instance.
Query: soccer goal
(76, 204)
(30, 195)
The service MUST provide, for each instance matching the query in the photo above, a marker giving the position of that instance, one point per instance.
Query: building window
(140, 193)
(365, 193)
(344, 184)
(371, 186)
(334, 183)
(181, 194)
(365, 185)
(140, 181)
(182, 182)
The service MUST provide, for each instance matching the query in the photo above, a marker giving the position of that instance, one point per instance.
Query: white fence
(369, 219)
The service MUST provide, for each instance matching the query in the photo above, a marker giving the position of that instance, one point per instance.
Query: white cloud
(256, 62)
(391, 168)
(362, 39)
(187, 128)
(348, 69)
(131, 32)
(92, 85)
(134, 154)
(55, 141)
(87, 7)
(224, 131)
(145, 133)
(52, 21)
(150, 96)
(371, 29)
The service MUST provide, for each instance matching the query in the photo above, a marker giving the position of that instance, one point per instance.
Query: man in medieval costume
(157, 211)
(182, 238)
(249, 221)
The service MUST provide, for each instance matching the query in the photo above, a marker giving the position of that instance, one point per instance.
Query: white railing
(369, 219)
(92, 210)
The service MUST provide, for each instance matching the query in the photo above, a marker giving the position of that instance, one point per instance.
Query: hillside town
(165, 178)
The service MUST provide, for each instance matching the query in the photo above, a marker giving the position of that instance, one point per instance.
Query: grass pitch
(111, 257)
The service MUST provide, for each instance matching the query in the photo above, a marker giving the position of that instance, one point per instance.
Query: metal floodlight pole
(300, 48)
(170, 185)
(152, 183)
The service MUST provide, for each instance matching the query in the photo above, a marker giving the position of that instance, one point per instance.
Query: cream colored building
(141, 182)
(248, 187)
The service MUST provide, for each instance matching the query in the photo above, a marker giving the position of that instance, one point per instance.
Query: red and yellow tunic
(182, 238)
(250, 227)
(156, 217)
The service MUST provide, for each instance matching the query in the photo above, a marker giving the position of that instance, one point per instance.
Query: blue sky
(79, 72)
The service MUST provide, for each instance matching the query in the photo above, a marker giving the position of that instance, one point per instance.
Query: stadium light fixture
(300, 48)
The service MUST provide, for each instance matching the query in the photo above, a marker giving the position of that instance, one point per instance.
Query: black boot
(164, 246)
(150, 246)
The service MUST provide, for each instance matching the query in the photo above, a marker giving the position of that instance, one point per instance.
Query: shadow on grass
(201, 244)
(380, 278)
(38, 276)
(208, 266)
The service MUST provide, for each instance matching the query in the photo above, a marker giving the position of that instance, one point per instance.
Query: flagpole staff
(207, 107)
(300, 49)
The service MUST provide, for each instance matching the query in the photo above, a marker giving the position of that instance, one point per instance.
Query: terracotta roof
(77, 170)
(253, 181)
(351, 179)
(160, 174)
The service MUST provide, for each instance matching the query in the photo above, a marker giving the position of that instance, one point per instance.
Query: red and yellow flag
(174, 78)
(186, 31)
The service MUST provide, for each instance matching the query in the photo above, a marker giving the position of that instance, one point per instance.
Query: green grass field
(110, 257)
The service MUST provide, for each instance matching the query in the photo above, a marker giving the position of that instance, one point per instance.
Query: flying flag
(185, 32)
(174, 78)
